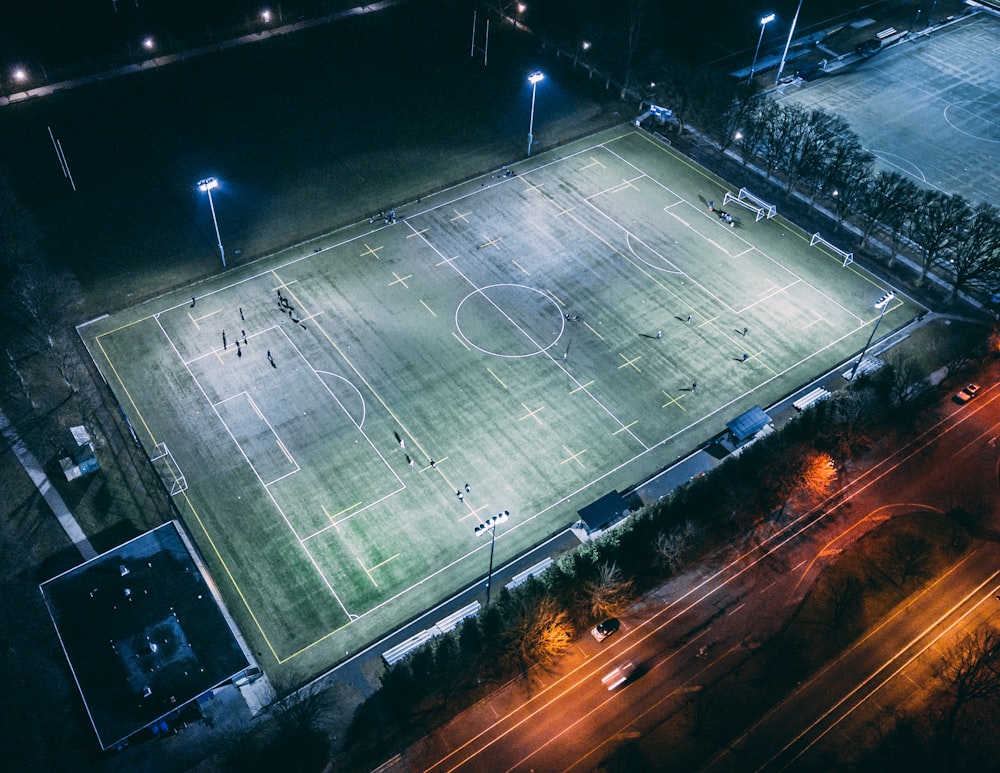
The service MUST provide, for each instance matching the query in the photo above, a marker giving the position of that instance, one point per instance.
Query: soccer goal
(755, 204)
(847, 256)
(166, 467)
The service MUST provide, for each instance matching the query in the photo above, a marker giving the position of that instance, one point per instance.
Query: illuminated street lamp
(490, 524)
(534, 79)
(206, 186)
(265, 16)
(764, 21)
(20, 75)
(148, 43)
(882, 303)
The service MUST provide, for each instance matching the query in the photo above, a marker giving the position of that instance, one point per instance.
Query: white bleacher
(531, 571)
(868, 365)
(810, 399)
(395, 654)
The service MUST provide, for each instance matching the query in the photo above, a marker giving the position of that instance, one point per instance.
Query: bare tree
(975, 256)
(537, 632)
(883, 198)
(907, 555)
(672, 547)
(936, 225)
(610, 593)
(969, 673)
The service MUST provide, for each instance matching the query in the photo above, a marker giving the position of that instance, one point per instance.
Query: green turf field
(507, 330)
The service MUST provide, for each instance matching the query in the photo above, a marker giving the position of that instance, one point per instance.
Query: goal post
(848, 257)
(166, 467)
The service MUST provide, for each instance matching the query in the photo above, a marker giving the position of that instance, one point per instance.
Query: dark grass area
(306, 133)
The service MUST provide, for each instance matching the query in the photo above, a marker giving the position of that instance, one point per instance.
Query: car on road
(966, 393)
(603, 630)
(620, 674)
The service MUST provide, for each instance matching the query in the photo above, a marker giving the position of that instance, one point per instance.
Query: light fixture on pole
(206, 186)
(764, 21)
(490, 524)
(882, 303)
(534, 79)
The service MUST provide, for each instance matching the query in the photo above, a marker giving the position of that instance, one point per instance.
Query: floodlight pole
(491, 525)
(206, 186)
(883, 305)
(533, 79)
(765, 20)
(788, 43)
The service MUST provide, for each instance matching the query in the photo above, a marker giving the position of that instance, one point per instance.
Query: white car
(618, 675)
(966, 393)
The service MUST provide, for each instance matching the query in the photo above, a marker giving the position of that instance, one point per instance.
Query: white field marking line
(618, 186)
(629, 237)
(401, 487)
(267, 491)
(544, 352)
(792, 535)
(364, 405)
(893, 674)
(768, 296)
(740, 238)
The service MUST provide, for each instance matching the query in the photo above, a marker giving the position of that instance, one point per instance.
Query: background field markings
(369, 571)
(581, 387)
(593, 162)
(587, 325)
(532, 414)
(424, 304)
(574, 457)
(498, 379)
(818, 318)
(556, 298)
(400, 280)
(564, 211)
(673, 401)
(625, 427)
(474, 513)
(491, 242)
(447, 261)
(463, 216)
(669, 268)
(436, 464)
(708, 321)
(196, 320)
(459, 339)
(522, 268)
(373, 251)
(631, 362)
(421, 232)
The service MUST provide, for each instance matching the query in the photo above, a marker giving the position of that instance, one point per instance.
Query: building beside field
(145, 635)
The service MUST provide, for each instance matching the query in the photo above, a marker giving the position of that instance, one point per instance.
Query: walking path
(46, 489)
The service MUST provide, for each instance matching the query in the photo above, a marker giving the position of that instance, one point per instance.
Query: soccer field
(928, 108)
(537, 336)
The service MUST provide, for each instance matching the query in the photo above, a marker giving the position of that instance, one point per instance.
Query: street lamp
(882, 303)
(764, 21)
(534, 80)
(206, 186)
(490, 524)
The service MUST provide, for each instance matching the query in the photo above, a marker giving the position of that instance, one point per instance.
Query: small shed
(599, 514)
(745, 426)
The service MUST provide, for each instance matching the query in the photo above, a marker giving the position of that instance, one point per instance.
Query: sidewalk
(46, 489)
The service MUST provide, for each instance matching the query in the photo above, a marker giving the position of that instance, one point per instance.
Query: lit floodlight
(521, 7)
(536, 77)
(148, 43)
(265, 16)
(20, 75)
(767, 19)
(882, 302)
(585, 45)
(207, 186)
(764, 21)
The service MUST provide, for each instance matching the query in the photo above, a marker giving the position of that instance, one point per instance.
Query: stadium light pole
(490, 524)
(882, 304)
(788, 43)
(764, 21)
(206, 186)
(534, 79)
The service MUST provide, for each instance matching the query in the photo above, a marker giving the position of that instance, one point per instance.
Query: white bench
(527, 574)
(810, 399)
(395, 654)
